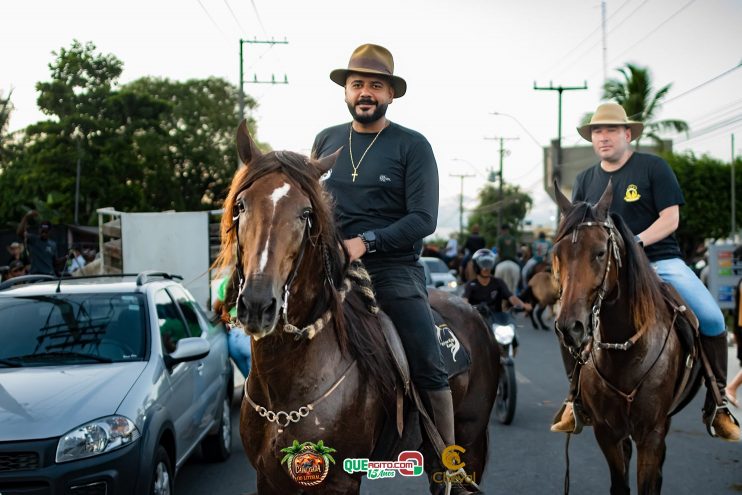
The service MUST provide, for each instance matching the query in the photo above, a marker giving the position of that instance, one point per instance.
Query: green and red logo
(308, 462)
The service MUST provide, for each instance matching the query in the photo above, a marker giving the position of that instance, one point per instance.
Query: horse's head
(269, 223)
(585, 261)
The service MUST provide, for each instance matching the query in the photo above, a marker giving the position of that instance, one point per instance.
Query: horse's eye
(600, 254)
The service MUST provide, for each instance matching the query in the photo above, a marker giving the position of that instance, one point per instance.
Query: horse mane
(644, 288)
(358, 329)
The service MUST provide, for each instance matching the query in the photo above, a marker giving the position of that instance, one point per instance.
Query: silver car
(440, 274)
(107, 385)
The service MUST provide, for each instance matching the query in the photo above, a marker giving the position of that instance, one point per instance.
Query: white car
(108, 384)
(440, 274)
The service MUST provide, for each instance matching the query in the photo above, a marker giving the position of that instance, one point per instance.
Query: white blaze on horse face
(276, 196)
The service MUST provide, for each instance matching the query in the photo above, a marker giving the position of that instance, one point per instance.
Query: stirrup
(576, 420)
(709, 419)
(460, 474)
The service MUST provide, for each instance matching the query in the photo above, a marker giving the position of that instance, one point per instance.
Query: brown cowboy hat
(371, 59)
(611, 114)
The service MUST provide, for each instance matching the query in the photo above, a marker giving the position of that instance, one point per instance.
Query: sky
(463, 61)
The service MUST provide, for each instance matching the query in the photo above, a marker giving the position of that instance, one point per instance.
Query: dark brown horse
(615, 317)
(320, 367)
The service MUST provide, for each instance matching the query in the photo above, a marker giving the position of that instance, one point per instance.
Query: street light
(521, 126)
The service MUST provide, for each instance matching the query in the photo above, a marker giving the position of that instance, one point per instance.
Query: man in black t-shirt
(42, 250)
(648, 198)
(385, 185)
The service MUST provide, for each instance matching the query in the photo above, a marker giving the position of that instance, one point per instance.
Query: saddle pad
(455, 356)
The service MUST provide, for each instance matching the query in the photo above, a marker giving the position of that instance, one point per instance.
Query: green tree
(515, 205)
(191, 162)
(6, 108)
(634, 91)
(706, 214)
(150, 145)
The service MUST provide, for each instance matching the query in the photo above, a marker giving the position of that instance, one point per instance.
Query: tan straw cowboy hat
(611, 114)
(371, 59)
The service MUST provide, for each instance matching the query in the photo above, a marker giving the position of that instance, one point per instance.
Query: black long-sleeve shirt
(395, 193)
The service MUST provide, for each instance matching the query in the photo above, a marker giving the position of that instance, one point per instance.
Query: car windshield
(436, 266)
(49, 330)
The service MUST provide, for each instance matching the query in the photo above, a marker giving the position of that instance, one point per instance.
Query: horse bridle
(306, 216)
(612, 249)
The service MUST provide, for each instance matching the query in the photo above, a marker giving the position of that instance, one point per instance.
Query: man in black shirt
(488, 289)
(648, 198)
(42, 249)
(385, 185)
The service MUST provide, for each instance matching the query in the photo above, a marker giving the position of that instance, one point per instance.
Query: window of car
(44, 330)
(188, 307)
(170, 321)
(436, 265)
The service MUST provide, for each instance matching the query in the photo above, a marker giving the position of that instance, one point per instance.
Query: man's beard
(378, 112)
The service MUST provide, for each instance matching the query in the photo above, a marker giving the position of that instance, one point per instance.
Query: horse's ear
(246, 148)
(604, 204)
(326, 163)
(564, 204)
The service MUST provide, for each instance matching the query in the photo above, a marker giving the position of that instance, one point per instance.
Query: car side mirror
(188, 349)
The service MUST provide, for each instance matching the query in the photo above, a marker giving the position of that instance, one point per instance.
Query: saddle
(404, 432)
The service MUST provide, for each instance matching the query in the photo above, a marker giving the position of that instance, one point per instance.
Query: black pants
(401, 294)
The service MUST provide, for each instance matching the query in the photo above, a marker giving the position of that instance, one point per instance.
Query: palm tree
(637, 96)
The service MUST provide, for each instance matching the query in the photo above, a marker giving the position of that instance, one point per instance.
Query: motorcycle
(503, 326)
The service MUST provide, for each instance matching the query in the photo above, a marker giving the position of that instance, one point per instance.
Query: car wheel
(217, 447)
(162, 475)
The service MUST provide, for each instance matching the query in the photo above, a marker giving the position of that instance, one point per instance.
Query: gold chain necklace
(350, 148)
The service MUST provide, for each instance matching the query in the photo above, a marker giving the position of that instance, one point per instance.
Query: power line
(728, 71)
(257, 16)
(242, 30)
(655, 29)
(713, 127)
(582, 43)
(213, 21)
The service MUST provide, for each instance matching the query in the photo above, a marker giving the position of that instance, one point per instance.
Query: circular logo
(451, 459)
(308, 463)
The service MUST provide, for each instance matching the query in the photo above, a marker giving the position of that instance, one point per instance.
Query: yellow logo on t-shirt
(632, 194)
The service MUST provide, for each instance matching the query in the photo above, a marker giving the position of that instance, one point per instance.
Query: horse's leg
(614, 450)
(650, 458)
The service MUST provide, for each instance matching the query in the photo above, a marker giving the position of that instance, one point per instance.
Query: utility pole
(501, 196)
(734, 212)
(605, 47)
(255, 77)
(556, 166)
(461, 204)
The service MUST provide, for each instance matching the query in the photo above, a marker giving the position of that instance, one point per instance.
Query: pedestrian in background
(42, 250)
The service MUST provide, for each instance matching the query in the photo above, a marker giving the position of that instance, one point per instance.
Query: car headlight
(504, 333)
(97, 437)
(453, 284)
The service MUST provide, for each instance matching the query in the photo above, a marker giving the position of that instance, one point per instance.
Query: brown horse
(320, 367)
(617, 319)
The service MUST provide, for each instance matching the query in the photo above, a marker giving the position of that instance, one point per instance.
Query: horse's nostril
(270, 309)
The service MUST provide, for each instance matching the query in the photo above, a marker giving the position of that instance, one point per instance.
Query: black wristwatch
(369, 240)
(638, 240)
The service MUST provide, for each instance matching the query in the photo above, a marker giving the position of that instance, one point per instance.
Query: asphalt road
(524, 456)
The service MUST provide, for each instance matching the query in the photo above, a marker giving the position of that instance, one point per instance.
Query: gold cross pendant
(354, 174)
